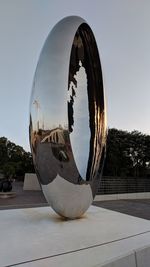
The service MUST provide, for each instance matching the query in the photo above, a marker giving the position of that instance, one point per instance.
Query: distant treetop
(14, 160)
(128, 153)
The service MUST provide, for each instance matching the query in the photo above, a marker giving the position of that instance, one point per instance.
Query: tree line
(14, 160)
(128, 154)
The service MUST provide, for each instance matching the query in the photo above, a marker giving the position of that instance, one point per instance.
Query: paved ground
(136, 207)
(24, 199)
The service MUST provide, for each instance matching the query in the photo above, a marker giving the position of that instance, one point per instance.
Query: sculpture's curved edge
(54, 65)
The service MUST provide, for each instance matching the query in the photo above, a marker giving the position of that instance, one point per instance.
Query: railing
(120, 185)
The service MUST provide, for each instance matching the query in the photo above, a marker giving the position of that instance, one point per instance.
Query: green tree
(14, 160)
(9, 170)
(128, 153)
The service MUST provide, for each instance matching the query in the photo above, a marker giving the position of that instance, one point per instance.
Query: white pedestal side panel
(38, 237)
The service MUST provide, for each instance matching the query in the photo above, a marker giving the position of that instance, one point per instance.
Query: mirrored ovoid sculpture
(68, 118)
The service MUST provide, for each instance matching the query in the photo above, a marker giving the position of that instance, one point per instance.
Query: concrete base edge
(38, 237)
(138, 258)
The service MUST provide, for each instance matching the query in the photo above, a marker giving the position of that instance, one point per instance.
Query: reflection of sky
(46, 112)
(46, 120)
(80, 136)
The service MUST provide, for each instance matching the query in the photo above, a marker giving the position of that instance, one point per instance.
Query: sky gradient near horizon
(122, 33)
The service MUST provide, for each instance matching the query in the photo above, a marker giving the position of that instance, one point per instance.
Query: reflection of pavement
(48, 164)
(136, 207)
(68, 199)
(23, 198)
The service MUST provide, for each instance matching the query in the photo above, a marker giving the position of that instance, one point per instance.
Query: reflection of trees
(70, 113)
(96, 99)
(77, 55)
(84, 50)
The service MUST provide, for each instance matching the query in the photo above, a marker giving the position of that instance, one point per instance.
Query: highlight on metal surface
(68, 118)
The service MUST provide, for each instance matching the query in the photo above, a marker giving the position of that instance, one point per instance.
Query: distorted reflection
(86, 112)
(78, 116)
(69, 145)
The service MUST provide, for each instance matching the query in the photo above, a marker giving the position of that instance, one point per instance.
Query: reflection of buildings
(56, 136)
(59, 144)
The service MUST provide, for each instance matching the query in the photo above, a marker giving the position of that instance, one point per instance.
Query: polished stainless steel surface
(67, 118)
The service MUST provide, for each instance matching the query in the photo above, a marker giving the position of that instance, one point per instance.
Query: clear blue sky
(122, 31)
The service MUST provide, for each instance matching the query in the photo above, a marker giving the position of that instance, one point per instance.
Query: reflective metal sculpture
(67, 118)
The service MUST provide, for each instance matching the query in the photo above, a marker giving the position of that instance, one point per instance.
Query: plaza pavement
(23, 199)
(27, 199)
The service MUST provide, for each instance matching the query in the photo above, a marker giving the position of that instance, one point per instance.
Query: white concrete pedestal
(31, 182)
(37, 237)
